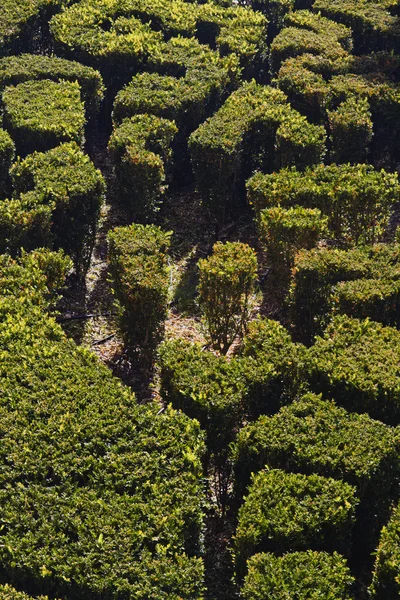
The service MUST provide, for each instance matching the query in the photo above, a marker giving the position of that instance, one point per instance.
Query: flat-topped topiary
(39, 115)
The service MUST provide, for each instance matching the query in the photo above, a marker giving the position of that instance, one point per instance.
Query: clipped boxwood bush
(377, 299)
(7, 152)
(139, 148)
(314, 435)
(254, 128)
(357, 363)
(357, 199)
(27, 67)
(350, 131)
(386, 581)
(63, 185)
(308, 33)
(226, 285)
(206, 387)
(104, 496)
(111, 36)
(318, 275)
(37, 123)
(305, 575)
(138, 267)
(7, 592)
(272, 366)
(19, 23)
(285, 231)
(286, 511)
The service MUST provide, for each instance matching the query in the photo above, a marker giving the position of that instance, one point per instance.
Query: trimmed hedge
(308, 33)
(19, 23)
(374, 28)
(26, 67)
(139, 149)
(357, 363)
(315, 288)
(7, 152)
(377, 299)
(206, 387)
(313, 435)
(257, 123)
(111, 36)
(59, 191)
(385, 581)
(285, 231)
(138, 266)
(356, 198)
(351, 131)
(103, 497)
(188, 100)
(302, 575)
(273, 366)
(7, 592)
(39, 115)
(286, 511)
(226, 285)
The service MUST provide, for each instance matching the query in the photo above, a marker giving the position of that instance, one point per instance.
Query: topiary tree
(227, 279)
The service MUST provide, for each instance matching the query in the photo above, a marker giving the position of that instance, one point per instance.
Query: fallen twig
(98, 342)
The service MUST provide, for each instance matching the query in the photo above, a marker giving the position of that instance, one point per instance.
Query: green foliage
(39, 115)
(7, 592)
(58, 195)
(187, 100)
(308, 33)
(139, 148)
(226, 284)
(319, 274)
(385, 581)
(377, 299)
(357, 363)
(285, 231)
(206, 387)
(272, 366)
(7, 152)
(286, 511)
(138, 266)
(254, 128)
(27, 67)
(356, 199)
(18, 23)
(313, 435)
(103, 498)
(302, 575)
(373, 27)
(350, 131)
(110, 35)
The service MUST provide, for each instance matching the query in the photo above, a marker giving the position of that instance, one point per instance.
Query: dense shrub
(350, 131)
(206, 387)
(254, 128)
(313, 435)
(19, 23)
(385, 581)
(377, 299)
(272, 366)
(373, 27)
(7, 592)
(302, 575)
(226, 285)
(285, 511)
(7, 151)
(285, 231)
(103, 497)
(26, 67)
(139, 149)
(356, 199)
(308, 33)
(34, 123)
(357, 363)
(315, 290)
(188, 100)
(113, 38)
(61, 192)
(138, 266)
